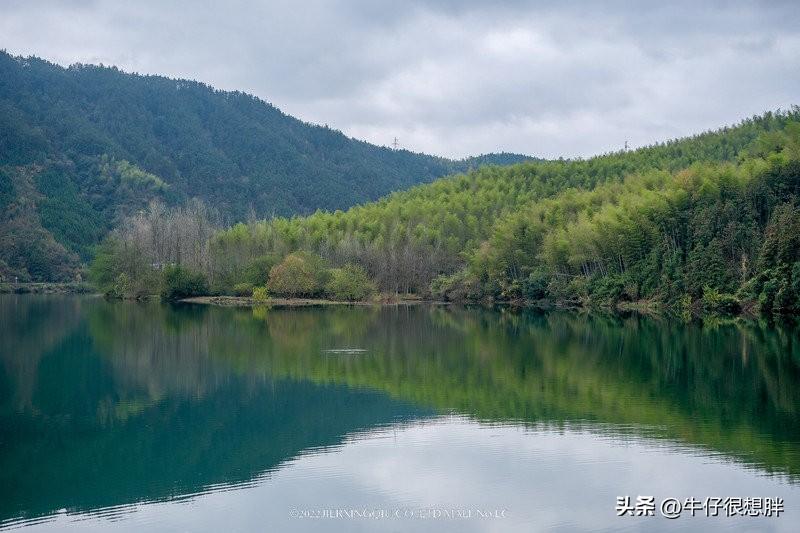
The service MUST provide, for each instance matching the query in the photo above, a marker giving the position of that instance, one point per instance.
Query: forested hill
(710, 222)
(83, 147)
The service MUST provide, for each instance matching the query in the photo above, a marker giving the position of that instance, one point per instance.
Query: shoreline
(247, 301)
(643, 308)
(75, 287)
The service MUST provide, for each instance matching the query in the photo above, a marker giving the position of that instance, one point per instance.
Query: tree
(350, 283)
(299, 274)
(179, 282)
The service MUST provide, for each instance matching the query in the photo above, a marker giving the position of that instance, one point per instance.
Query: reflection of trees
(155, 350)
(152, 401)
(730, 387)
(142, 410)
(30, 326)
(180, 447)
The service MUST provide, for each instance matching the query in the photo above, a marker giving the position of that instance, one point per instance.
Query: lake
(121, 416)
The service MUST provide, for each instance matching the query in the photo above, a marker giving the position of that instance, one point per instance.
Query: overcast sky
(446, 77)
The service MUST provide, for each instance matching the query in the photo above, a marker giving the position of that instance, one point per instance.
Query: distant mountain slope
(82, 146)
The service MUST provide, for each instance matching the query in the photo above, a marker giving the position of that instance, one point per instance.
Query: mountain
(83, 147)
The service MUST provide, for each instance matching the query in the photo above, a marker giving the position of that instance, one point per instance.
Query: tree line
(702, 223)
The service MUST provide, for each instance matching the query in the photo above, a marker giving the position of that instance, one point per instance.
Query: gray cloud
(447, 77)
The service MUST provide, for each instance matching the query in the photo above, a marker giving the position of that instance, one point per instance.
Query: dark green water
(124, 416)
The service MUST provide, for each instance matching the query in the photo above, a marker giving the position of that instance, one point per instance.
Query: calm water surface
(130, 417)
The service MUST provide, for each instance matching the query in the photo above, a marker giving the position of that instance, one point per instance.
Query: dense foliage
(657, 236)
(350, 283)
(300, 274)
(136, 260)
(180, 282)
(84, 147)
(705, 224)
(698, 224)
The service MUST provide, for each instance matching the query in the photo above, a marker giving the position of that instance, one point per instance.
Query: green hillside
(85, 146)
(710, 221)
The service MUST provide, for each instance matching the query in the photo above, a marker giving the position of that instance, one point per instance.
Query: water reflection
(104, 404)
